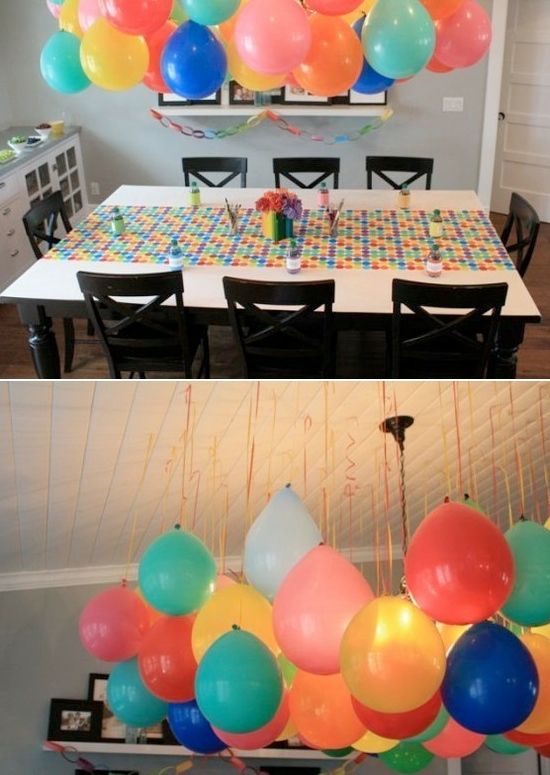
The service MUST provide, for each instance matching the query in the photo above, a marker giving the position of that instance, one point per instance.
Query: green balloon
(60, 63)
(434, 729)
(500, 744)
(177, 14)
(529, 602)
(210, 11)
(130, 700)
(287, 669)
(238, 684)
(339, 753)
(398, 38)
(177, 573)
(474, 505)
(407, 757)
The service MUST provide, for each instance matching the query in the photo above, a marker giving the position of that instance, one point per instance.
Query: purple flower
(292, 207)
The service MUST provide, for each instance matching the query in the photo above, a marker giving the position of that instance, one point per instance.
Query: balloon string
(494, 464)
(195, 475)
(188, 396)
(376, 529)
(147, 460)
(508, 496)
(271, 446)
(543, 444)
(458, 444)
(532, 483)
(519, 469)
(308, 422)
(164, 497)
(446, 466)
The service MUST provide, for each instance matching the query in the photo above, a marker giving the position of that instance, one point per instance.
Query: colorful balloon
(88, 12)
(371, 743)
(407, 757)
(538, 722)
(398, 726)
(464, 37)
(262, 737)
(243, 75)
(68, 18)
(53, 8)
(533, 741)
(136, 17)
(338, 753)
(227, 28)
(434, 729)
(210, 11)
(314, 605)
(435, 66)
(166, 662)
(287, 669)
(459, 568)
(192, 730)
(128, 698)
(156, 42)
(454, 741)
(499, 744)
(392, 657)
(491, 682)
(177, 14)
(193, 63)
(450, 633)
(529, 601)
(369, 81)
(111, 59)
(60, 64)
(177, 572)
(114, 622)
(438, 9)
(334, 7)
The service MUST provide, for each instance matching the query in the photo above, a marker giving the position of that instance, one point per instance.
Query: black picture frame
(75, 720)
(106, 772)
(293, 95)
(238, 95)
(340, 99)
(174, 100)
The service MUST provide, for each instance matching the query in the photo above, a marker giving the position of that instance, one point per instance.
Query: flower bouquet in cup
(279, 210)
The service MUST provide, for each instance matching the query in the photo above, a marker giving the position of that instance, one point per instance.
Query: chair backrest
(452, 338)
(523, 221)
(196, 165)
(297, 341)
(324, 167)
(418, 167)
(41, 222)
(136, 335)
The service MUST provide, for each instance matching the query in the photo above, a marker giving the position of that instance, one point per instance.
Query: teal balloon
(210, 11)
(130, 700)
(529, 601)
(60, 63)
(177, 14)
(339, 753)
(500, 744)
(434, 729)
(238, 684)
(398, 38)
(407, 757)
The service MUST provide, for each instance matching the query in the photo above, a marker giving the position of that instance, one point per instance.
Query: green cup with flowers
(279, 210)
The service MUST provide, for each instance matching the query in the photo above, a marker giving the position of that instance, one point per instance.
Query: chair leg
(68, 330)
(90, 328)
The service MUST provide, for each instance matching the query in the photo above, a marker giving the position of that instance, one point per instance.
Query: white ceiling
(90, 472)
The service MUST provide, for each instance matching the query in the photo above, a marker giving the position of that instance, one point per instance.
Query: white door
(522, 160)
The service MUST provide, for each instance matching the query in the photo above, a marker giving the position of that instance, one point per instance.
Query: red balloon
(334, 7)
(454, 741)
(459, 567)
(525, 739)
(136, 17)
(166, 662)
(113, 624)
(156, 42)
(259, 738)
(398, 726)
(463, 38)
(435, 66)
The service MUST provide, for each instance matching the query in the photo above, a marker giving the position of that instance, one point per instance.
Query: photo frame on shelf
(174, 100)
(113, 730)
(356, 98)
(106, 772)
(340, 99)
(75, 720)
(238, 95)
(295, 95)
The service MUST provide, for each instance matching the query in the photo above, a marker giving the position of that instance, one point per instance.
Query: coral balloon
(111, 59)
(407, 757)
(60, 63)
(538, 722)
(176, 571)
(499, 744)
(435, 66)
(272, 38)
(491, 681)
(156, 42)
(398, 38)
(334, 7)
(192, 730)
(113, 624)
(166, 662)
(334, 61)
(459, 568)
(210, 11)
(248, 78)
(68, 18)
(464, 37)
(239, 605)
(438, 9)
(130, 700)
(371, 743)
(454, 741)
(398, 726)
(136, 17)
(529, 601)
(88, 12)
(313, 607)
(193, 63)
(261, 737)
(321, 708)
(392, 657)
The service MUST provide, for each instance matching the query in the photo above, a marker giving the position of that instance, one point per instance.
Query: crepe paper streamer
(68, 752)
(279, 121)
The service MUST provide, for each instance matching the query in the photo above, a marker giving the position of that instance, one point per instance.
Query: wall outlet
(94, 188)
(453, 104)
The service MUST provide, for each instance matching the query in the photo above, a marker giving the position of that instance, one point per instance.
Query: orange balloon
(153, 614)
(334, 60)
(166, 662)
(538, 722)
(156, 42)
(321, 708)
(439, 9)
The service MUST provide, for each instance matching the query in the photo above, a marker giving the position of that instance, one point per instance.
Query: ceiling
(91, 472)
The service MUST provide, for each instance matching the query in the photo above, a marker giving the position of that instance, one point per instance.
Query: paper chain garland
(278, 120)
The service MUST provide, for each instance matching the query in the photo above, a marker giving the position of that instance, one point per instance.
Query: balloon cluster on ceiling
(326, 47)
(305, 648)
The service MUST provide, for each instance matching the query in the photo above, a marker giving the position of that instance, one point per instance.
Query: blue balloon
(60, 63)
(369, 81)
(191, 729)
(193, 63)
(129, 698)
(491, 682)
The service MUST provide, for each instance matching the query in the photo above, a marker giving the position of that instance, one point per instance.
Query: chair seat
(164, 358)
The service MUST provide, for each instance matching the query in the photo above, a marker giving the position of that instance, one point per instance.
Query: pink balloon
(54, 9)
(250, 741)
(464, 37)
(314, 605)
(136, 17)
(272, 36)
(113, 623)
(88, 12)
(334, 7)
(454, 741)
(223, 581)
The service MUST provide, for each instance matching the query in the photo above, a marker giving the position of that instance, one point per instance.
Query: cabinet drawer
(8, 188)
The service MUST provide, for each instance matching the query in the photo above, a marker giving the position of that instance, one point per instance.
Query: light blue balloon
(130, 700)
(280, 536)
(529, 601)
(210, 11)
(60, 63)
(398, 38)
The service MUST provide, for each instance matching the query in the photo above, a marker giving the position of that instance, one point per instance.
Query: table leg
(43, 347)
(509, 339)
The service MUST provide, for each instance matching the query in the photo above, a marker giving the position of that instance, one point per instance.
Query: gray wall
(5, 104)
(122, 144)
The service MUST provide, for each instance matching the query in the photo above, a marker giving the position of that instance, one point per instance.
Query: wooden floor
(360, 356)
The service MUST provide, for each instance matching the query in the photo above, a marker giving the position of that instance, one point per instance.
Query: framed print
(340, 99)
(295, 95)
(113, 730)
(356, 98)
(238, 95)
(75, 720)
(167, 100)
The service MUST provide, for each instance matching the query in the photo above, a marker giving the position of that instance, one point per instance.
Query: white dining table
(49, 288)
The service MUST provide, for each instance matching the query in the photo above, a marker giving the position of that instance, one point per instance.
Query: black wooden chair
(233, 165)
(444, 344)
(323, 168)
(147, 336)
(418, 167)
(297, 342)
(41, 223)
(523, 224)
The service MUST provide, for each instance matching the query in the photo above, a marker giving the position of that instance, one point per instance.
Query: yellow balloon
(290, 730)
(392, 656)
(111, 59)
(544, 630)
(371, 743)
(364, 9)
(538, 722)
(238, 604)
(547, 524)
(450, 633)
(248, 78)
(68, 18)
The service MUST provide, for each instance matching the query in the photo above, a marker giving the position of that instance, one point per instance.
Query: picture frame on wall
(356, 98)
(295, 95)
(113, 730)
(238, 95)
(75, 720)
(174, 100)
(106, 772)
